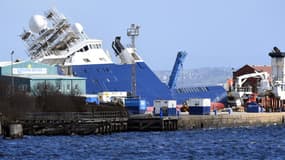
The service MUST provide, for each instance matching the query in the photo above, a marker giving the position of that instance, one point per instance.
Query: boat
(53, 40)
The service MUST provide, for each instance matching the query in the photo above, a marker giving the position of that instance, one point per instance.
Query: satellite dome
(37, 23)
(77, 28)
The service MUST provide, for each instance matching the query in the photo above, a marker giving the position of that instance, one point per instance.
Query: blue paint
(117, 77)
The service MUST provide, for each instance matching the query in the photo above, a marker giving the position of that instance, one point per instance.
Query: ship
(52, 39)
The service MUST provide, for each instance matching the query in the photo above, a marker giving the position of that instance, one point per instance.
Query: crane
(240, 80)
(181, 55)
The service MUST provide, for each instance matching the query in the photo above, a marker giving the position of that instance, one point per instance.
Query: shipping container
(91, 98)
(167, 107)
(199, 106)
(172, 112)
(199, 110)
(199, 102)
(106, 97)
(135, 105)
(134, 102)
(253, 107)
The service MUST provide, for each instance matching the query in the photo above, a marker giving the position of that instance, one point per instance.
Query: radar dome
(37, 23)
(77, 28)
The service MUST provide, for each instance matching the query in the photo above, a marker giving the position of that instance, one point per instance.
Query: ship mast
(133, 32)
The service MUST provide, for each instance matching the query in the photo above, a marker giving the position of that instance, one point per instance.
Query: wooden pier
(149, 123)
(68, 123)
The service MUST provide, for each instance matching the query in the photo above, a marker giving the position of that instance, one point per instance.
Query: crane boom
(242, 79)
(181, 55)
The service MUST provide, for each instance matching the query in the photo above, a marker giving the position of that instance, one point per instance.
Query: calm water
(236, 143)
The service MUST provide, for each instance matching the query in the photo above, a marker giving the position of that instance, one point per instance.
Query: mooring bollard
(215, 112)
(177, 113)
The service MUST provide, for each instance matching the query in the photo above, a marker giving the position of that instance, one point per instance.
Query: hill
(198, 77)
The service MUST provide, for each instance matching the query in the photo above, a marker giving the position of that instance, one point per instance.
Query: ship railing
(244, 89)
(75, 116)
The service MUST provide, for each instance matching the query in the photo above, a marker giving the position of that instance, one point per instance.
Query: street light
(12, 77)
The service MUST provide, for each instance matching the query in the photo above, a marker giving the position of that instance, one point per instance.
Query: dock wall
(186, 122)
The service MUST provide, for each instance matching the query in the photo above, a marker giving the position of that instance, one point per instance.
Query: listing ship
(53, 40)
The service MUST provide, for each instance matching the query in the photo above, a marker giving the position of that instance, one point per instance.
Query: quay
(235, 119)
(149, 123)
(83, 123)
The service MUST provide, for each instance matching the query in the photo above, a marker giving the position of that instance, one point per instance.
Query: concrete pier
(235, 119)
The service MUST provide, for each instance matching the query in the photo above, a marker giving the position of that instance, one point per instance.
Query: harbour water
(228, 143)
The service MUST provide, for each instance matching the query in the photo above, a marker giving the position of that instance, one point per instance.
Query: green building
(32, 77)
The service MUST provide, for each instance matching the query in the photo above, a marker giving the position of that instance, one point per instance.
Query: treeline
(15, 102)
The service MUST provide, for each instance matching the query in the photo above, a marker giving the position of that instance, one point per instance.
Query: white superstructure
(53, 40)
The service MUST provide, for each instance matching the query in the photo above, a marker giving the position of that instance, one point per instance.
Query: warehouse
(33, 78)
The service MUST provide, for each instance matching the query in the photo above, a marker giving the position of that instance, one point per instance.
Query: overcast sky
(215, 33)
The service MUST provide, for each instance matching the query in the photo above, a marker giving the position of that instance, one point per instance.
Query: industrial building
(31, 77)
(251, 82)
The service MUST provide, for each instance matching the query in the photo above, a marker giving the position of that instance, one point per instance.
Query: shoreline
(235, 119)
(92, 125)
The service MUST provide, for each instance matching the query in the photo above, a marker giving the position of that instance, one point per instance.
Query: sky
(219, 33)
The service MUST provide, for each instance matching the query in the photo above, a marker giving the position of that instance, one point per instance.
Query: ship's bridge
(87, 52)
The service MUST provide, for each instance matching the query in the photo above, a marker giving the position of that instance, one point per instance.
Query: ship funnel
(117, 46)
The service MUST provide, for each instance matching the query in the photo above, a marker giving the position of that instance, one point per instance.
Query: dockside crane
(181, 55)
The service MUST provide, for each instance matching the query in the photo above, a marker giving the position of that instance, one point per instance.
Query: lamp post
(12, 77)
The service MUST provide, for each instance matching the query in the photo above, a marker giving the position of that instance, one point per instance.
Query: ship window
(85, 48)
(188, 90)
(90, 46)
(94, 46)
(86, 60)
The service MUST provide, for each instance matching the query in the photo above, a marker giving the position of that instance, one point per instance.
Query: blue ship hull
(117, 77)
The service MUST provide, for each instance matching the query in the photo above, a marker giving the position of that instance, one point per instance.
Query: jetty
(106, 122)
(235, 119)
(66, 123)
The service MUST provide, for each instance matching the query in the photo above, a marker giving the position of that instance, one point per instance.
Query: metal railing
(75, 116)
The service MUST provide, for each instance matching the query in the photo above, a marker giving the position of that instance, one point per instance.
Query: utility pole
(133, 32)
(12, 76)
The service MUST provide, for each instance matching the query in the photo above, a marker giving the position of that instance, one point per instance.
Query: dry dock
(235, 119)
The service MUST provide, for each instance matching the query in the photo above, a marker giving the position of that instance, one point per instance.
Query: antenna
(132, 32)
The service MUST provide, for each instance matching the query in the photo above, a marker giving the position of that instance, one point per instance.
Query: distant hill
(198, 77)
